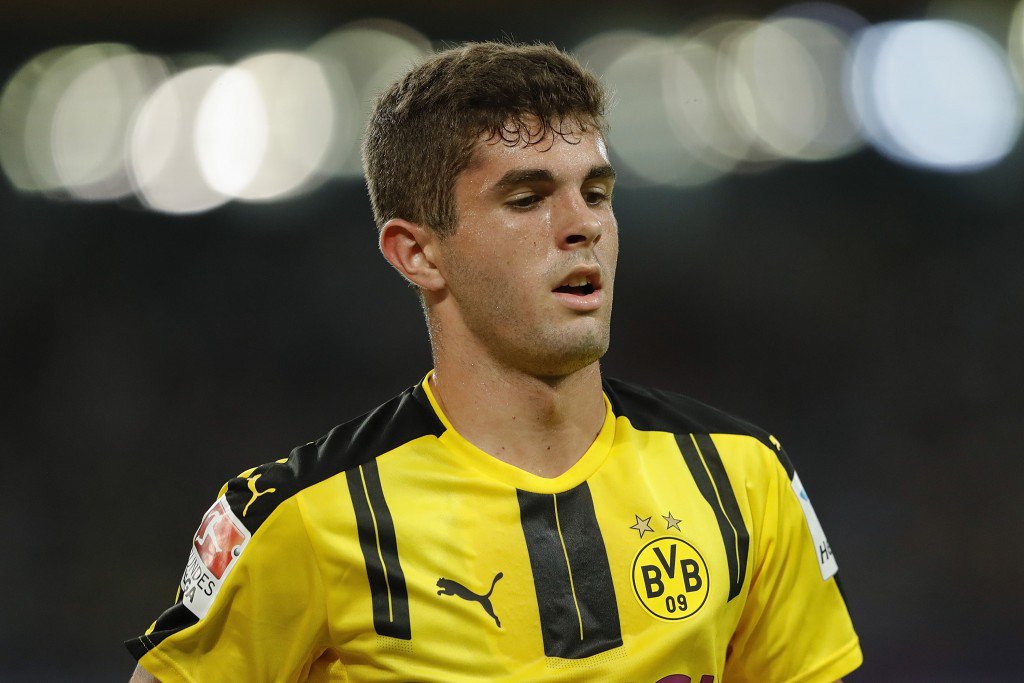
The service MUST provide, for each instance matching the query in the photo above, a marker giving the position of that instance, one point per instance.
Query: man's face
(531, 264)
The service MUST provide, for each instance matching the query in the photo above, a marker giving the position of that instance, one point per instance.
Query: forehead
(567, 155)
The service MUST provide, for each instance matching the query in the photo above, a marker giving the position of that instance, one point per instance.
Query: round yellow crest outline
(670, 578)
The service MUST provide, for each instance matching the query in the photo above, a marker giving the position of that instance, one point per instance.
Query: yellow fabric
(297, 606)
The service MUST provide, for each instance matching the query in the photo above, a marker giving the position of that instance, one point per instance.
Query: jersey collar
(512, 475)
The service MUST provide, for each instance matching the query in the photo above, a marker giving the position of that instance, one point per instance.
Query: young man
(511, 516)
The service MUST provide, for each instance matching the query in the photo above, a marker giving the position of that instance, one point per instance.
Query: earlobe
(411, 249)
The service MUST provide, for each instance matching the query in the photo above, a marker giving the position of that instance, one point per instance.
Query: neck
(539, 424)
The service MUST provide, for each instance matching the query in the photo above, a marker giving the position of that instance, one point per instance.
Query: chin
(565, 361)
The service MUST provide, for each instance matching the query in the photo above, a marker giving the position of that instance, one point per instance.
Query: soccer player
(513, 515)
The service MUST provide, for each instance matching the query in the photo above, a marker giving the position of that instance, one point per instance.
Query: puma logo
(449, 587)
(251, 481)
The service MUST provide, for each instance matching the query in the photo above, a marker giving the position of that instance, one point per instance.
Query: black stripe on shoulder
(174, 619)
(404, 418)
(666, 411)
(253, 497)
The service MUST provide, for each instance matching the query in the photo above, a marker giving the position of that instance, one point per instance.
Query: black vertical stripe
(388, 592)
(715, 488)
(559, 627)
(731, 507)
(592, 576)
(389, 548)
(590, 589)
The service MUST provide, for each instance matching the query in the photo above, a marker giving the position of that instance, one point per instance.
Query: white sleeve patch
(216, 547)
(826, 560)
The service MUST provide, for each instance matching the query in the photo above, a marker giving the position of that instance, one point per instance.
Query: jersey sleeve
(795, 626)
(250, 603)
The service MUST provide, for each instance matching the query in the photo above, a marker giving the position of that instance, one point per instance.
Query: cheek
(612, 248)
(515, 261)
(491, 281)
(499, 264)
(513, 288)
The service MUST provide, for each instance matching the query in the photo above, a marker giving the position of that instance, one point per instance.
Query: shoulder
(255, 493)
(667, 411)
(650, 409)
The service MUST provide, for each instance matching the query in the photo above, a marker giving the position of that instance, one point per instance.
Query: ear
(412, 249)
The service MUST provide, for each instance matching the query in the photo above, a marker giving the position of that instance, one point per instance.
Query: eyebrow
(600, 172)
(541, 175)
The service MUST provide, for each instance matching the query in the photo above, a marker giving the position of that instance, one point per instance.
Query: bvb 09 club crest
(670, 578)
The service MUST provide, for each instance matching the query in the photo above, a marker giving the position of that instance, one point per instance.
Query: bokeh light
(43, 163)
(695, 109)
(794, 68)
(737, 144)
(599, 51)
(838, 17)
(359, 60)
(1015, 43)
(784, 107)
(15, 103)
(936, 94)
(265, 126)
(641, 133)
(812, 81)
(65, 114)
(89, 133)
(301, 116)
(231, 131)
(165, 169)
(730, 94)
(292, 117)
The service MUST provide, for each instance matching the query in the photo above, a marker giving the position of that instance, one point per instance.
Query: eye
(595, 197)
(524, 202)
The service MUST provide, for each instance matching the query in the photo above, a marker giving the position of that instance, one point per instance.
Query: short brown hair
(424, 127)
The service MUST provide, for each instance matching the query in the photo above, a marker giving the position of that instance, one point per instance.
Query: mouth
(581, 289)
(578, 290)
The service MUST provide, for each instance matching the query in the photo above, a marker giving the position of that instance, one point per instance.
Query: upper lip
(591, 272)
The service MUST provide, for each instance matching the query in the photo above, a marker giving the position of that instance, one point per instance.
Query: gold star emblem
(672, 522)
(642, 525)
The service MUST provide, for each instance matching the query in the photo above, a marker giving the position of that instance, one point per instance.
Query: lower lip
(577, 302)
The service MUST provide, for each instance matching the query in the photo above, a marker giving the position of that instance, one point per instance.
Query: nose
(577, 223)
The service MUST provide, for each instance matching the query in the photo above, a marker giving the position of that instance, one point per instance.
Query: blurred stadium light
(165, 169)
(89, 133)
(794, 68)
(264, 127)
(232, 131)
(837, 16)
(937, 94)
(43, 126)
(735, 93)
(695, 109)
(67, 113)
(15, 104)
(809, 83)
(648, 132)
(362, 58)
(1015, 42)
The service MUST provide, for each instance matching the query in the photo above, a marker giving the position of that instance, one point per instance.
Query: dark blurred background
(848, 282)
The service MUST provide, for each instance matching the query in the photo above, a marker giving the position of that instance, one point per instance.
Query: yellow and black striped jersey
(681, 547)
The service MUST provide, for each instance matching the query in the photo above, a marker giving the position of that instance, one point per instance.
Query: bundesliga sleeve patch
(216, 547)
(826, 560)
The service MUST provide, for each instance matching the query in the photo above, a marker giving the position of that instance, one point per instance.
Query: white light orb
(165, 170)
(936, 94)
